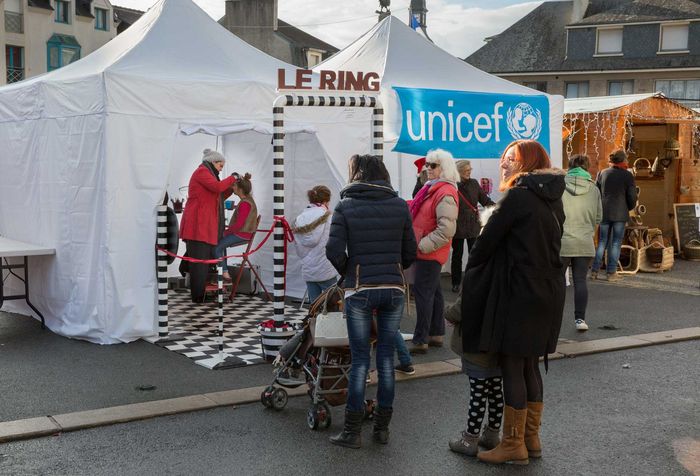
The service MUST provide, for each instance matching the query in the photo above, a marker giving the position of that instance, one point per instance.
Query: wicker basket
(641, 167)
(652, 253)
(691, 250)
(655, 253)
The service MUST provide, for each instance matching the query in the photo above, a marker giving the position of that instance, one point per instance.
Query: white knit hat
(212, 156)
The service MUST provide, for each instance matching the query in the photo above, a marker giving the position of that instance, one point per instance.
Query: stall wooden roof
(653, 107)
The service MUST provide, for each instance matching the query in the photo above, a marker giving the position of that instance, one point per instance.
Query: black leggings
(579, 268)
(522, 381)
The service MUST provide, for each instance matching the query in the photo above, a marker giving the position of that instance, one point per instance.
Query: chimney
(250, 13)
(579, 11)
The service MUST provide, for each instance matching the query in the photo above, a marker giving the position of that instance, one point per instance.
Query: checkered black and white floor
(193, 327)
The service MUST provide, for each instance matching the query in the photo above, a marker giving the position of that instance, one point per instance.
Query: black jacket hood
(548, 184)
(374, 190)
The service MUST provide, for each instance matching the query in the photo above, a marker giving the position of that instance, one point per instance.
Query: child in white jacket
(311, 229)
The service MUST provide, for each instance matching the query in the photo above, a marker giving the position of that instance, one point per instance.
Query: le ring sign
(326, 80)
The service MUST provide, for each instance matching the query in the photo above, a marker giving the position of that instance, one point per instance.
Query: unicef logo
(524, 122)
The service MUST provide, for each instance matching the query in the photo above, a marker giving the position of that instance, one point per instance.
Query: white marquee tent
(403, 57)
(90, 149)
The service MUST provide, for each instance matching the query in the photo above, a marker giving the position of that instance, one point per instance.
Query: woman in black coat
(371, 242)
(513, 291)
(470, 196)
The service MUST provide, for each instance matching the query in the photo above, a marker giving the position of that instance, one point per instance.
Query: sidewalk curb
(56, 424)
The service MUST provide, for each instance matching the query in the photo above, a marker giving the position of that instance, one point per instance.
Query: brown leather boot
(512, 447)
(532, 429)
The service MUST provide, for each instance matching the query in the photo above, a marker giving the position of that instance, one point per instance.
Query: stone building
(43, 35)
(256, 22)
(585, 48)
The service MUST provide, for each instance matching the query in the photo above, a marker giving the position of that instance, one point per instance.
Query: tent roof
(174, 62)
(610, 103)
(174, 40)
(403, 57)
(604, 103)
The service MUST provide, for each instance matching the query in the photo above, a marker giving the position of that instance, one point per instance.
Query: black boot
(382, 417)
(351, 436)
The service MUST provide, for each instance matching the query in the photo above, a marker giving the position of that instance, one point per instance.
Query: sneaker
(467, 444)
(594, 275)
(612, 277)
(581, 325)
(405, 369)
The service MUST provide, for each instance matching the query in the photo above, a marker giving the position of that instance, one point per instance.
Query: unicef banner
(469, 125)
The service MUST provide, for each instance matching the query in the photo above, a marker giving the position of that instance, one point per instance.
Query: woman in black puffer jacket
(513, 292)
(371, 242)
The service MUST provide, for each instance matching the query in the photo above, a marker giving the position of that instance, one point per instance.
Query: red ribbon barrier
(288, 238)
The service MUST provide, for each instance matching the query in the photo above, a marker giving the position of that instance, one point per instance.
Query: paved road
(45, 374)
(600, 419)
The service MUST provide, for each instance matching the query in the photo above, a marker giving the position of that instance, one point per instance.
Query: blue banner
(469, 125)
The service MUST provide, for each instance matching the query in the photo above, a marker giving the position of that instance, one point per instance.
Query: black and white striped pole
(221, 360)
(278, 210)
(313, 100)
(162, 270)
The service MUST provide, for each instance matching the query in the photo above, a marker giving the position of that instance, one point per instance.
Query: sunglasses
(431, 165)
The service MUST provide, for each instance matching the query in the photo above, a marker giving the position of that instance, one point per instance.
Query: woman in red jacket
(203, 218)
(434, 211)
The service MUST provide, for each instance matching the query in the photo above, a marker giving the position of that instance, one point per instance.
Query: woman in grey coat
(583, 210)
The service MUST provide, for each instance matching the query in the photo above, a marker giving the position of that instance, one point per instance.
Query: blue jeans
(612, 242)
(227, 242)
(315, 288)
(402, 350)
(388, 304)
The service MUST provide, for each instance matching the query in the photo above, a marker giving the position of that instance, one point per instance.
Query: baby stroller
(324, 369)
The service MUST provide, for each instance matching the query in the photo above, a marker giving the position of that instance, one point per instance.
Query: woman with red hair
(513, 292)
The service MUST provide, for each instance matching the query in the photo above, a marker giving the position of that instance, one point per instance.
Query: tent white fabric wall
(405, 58)
(90, 149)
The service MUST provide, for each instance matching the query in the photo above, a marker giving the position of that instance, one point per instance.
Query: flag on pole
(414, 23)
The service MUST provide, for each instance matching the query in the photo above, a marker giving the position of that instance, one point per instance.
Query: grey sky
(458, 26)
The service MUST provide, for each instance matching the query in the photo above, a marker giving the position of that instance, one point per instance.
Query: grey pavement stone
(28, 428)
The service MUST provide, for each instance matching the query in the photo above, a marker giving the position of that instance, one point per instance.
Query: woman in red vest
(434, 211)
(203, 218)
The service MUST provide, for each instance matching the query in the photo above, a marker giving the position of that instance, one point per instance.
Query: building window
(536, 85)
(609, 41)
(683, 91)
(101, 16)
(61, 50)
(313, 58)
(673, 38)
(14, 60)
(62, 11)
(616, 88)
(577, 90)
(14, 20)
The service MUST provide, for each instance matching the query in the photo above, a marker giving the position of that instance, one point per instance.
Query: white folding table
(13, 249)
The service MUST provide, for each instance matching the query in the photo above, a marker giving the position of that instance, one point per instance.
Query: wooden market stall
(661, 137)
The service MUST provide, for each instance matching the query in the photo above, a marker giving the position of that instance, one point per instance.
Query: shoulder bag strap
(473, 208)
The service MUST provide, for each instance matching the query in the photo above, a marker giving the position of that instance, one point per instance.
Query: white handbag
(330, 329)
